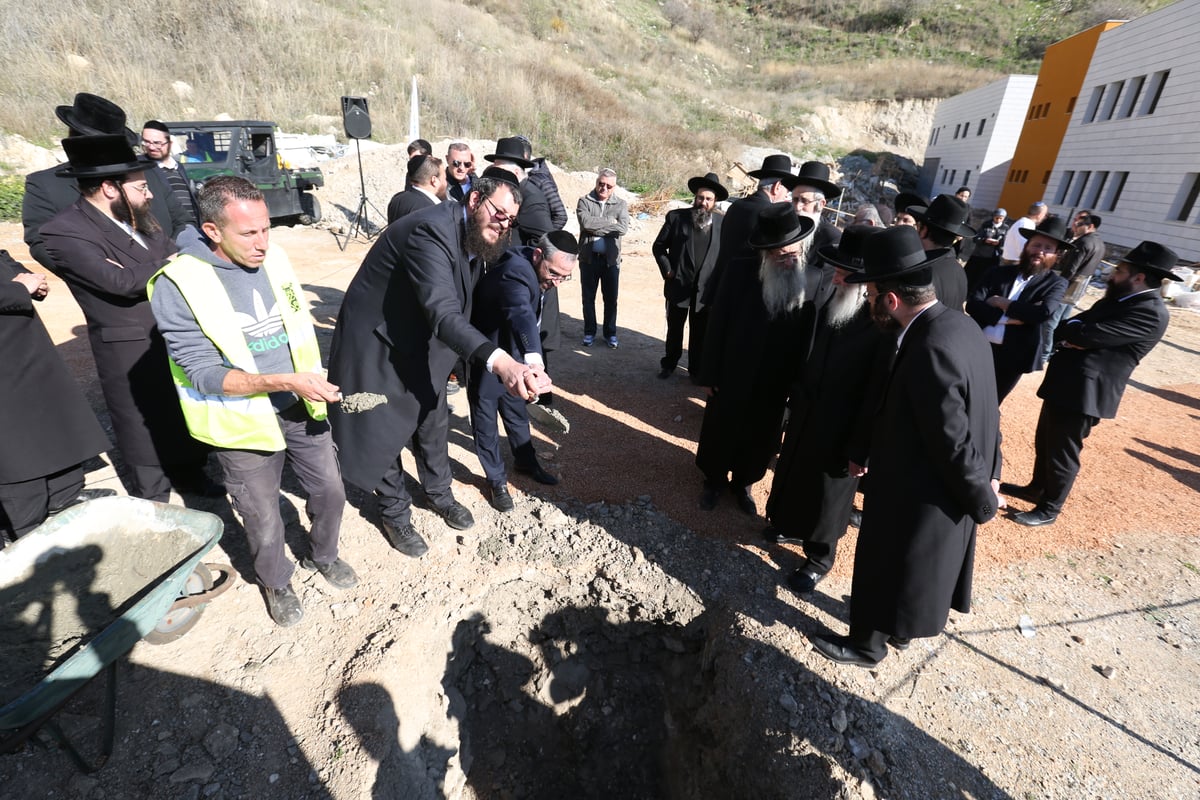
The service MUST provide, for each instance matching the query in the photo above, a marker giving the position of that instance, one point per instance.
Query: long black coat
(107, 271)
(949, 278)
(404, 203)
(1038, 301)
(934, 450)
(50, 426)
(533, 217)
(1115, 335)
(672, 250)
(46, 194)
(739, 222)
(403, 324)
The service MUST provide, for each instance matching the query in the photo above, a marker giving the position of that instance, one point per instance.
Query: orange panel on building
(1059, 82)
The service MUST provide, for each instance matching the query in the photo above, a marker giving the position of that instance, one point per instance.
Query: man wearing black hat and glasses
(1095, 353)
(686, 250)
(46, 193)
(934, 460)
(811, 191)
(106, 246)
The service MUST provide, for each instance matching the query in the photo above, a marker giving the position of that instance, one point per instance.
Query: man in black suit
(426, 187)
(934, 460)
(1014, 300)
(986, 253)
(686, 250)
(940, 224)
(1077, 266)
(829, 411)
(460, 171)
(508, 308)
(106, 246)
(1096, 351)
(403, 323)
(811, 191)
(46, 193)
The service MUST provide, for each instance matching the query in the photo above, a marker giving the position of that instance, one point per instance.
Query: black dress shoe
(709, 498)
(804, 580)
(284, 606)
(538, 474)
(899, 642)
(841, 649)
(1028, 493)
(404, 537)
(775, 536)
(84, 496)
(744, 501)
(1035, 518)
(666, 372)
(500, 499)
(855, 518)
(456, 515)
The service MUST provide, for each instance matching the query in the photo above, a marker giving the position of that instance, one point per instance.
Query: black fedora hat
(510, 148)
(892, 254)
(502, 175)
(710, 182)
(93, 115)
(946, 212)
(848, 253)
(776, 166)
(816, 175)
(778, 226)
(906, 200)
(103, 156)
(1153, 258)
(1052, 228)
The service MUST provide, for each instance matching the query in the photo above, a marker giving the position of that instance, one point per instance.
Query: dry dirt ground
(608, 639)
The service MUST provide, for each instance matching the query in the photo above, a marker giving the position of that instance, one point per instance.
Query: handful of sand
(361, 401)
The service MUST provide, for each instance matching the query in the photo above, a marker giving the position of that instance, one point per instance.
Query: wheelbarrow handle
(220, 587)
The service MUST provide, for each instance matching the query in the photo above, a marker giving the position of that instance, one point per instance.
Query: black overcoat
(672, 250)
(1039, 299)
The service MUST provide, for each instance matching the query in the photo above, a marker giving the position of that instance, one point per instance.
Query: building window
(967, 178)
(1046, 178)
(1064, 186)
(1094, 104)
(953, 172)
(1024, 175)
(1111, 98)
(1132, 96)
(1046, 110)
(982, 122)
(1094, 195)
(1118, 187)
(1071, 105)
(956, 127)
(1079, 188)
(1189, 191)
(1157, 84)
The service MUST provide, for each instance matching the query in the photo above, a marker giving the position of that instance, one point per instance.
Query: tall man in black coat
(50, 428)
(1096, 351)
(830, 404)
(403, 323)
(686, 250)
(1014, 300)
(508, 309)
(811, 191)
(47, 193)
(940, 224)
(106, 246)
(934, 460)
(425, 186)
(989, 240)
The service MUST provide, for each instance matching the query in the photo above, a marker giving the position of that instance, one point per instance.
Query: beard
(1118, 289)
(844, 306)
(701, 218)
(783, 287)
(478, 246)
(140, 218)
(882, 319)
(1027, 268)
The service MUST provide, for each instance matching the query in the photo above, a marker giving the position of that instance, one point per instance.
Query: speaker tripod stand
(360, 225)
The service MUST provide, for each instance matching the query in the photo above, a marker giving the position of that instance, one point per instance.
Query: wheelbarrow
(78, 592)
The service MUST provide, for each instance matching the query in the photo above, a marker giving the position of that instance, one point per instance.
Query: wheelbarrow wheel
(182, 618)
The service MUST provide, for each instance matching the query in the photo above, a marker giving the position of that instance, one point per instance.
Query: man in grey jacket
(603, 220)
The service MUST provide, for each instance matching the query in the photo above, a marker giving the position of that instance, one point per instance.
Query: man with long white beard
(766, 313)
(829, 408)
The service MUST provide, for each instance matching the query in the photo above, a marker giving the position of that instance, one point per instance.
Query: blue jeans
(595, 271)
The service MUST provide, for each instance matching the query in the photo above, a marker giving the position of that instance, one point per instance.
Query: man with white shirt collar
(426, 187)
(105, 247)
(156, 144)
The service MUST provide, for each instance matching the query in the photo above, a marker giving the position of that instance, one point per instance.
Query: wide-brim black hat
(1052, 228)
(776, 166)
(848, 253)
(510, 148)
(710, 182)
(102, 156)
(892, 254)
(502, 175)
(946, 212)
(93, 115)
(906, 200)
(1155, 259)
(778, 226)
(816, 175)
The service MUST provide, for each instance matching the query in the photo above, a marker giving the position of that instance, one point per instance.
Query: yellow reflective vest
(240, 423)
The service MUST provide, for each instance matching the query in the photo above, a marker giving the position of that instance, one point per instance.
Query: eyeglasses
(601, 185)
(142, 187)
(503, 217)
(149, 143)
(463, 164)
(806, 201)
(555, 278)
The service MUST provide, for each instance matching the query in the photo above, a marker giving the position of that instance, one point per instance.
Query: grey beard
(845, 305)
(782, 290)
(701, 218)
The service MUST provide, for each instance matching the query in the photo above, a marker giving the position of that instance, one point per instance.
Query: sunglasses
(467, 164)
